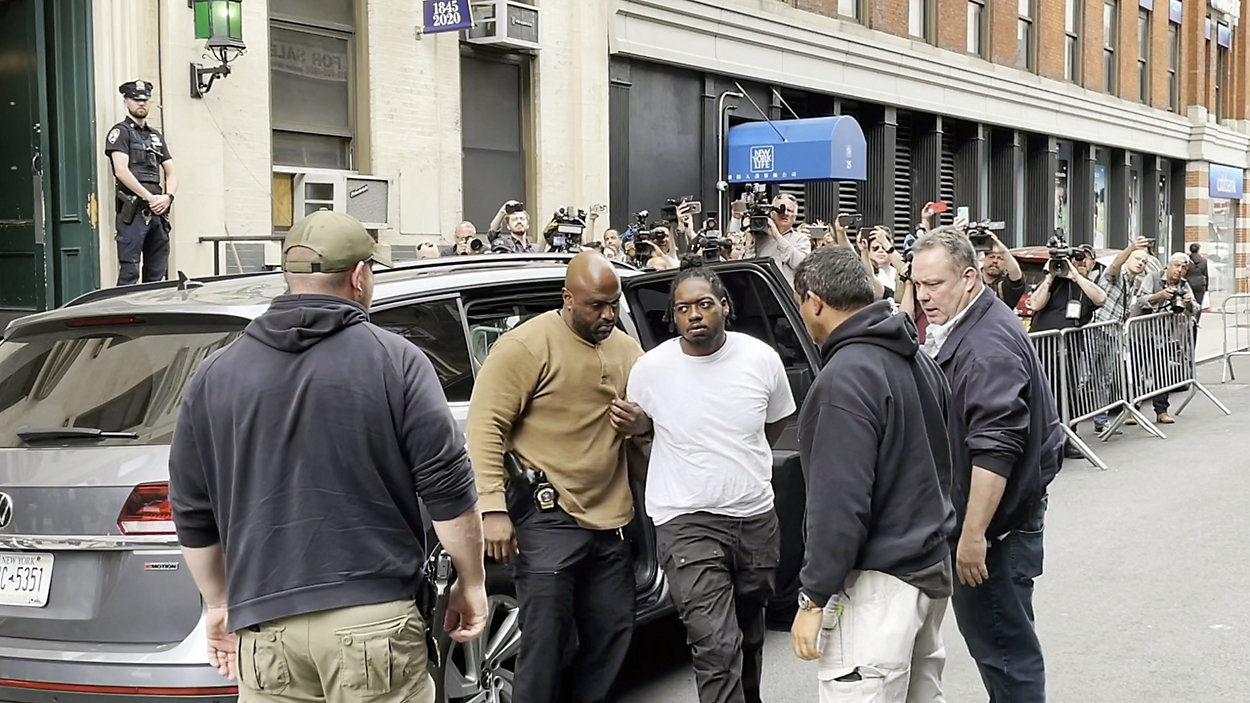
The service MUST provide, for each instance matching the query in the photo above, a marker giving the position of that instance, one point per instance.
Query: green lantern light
(220, 24)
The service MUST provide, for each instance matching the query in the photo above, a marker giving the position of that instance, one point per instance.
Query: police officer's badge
(114, 134)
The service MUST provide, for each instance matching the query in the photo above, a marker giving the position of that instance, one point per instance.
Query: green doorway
(49, 242)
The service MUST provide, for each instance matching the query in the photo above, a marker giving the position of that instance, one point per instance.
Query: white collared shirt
(936, 335)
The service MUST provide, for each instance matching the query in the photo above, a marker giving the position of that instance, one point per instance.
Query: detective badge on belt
(533, 481)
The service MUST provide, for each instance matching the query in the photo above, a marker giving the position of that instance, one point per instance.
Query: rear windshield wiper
(58, 434)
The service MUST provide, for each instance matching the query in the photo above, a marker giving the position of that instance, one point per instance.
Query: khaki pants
(370, 652)
(884, 646)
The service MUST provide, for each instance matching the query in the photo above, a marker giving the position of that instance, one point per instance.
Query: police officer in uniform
(139, 154)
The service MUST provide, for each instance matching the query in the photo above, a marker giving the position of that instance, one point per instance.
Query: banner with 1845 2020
(447, 16)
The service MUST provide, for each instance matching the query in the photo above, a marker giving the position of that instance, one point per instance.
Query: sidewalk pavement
(1211, 336)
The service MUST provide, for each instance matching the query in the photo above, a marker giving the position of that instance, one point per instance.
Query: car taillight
(147, 511)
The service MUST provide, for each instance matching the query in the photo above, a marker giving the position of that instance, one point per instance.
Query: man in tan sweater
(547, 393)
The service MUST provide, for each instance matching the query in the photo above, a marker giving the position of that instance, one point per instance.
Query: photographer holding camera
(515, 240)
(1166, 291)
(466, 243)
(1066, 297)
(780, 241)
(659, 248)
(1001, 272)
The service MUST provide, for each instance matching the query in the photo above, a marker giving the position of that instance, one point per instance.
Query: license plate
(25, 578)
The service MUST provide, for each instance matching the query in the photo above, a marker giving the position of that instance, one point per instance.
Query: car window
(117, 378)
(435, 327)
(757, 311)
(491, 314)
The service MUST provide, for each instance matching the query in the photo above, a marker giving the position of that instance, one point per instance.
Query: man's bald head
(592, 292)
(589, 270)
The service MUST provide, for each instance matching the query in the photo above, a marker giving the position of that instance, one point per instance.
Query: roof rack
(182, 282)
(418, 264)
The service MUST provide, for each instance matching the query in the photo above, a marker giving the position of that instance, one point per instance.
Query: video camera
(1061, 254)
(564, 233)
(709, 248)
(668, 213)
(980, 234)
(758, 207)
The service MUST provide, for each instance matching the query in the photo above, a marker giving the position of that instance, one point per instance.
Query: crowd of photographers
(1076, 289)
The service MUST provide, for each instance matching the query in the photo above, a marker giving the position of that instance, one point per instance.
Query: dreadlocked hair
(692, 267)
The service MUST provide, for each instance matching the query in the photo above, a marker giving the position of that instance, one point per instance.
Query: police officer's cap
(136, 90)
(339, 241)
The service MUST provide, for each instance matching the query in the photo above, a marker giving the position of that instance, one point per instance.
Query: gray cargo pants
(720, 573)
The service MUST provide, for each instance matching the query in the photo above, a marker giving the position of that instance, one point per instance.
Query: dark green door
(74, 266)
(48, 240)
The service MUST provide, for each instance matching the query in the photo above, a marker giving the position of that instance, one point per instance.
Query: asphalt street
(1144, 593)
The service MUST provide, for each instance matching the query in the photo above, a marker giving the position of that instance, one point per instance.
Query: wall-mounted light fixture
(220, 23)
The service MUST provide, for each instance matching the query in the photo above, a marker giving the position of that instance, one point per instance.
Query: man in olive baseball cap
(339, 242)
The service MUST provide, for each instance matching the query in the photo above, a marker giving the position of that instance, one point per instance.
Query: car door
(764, 308)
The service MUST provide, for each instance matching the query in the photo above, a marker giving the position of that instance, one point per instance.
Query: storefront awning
(814, 149)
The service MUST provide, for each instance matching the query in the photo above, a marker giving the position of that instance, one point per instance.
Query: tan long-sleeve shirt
(546, 393)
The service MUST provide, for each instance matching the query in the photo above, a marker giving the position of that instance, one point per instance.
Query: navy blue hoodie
(878, 479)
(302, 448)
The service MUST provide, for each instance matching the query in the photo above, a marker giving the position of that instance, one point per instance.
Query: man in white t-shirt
(716, 402)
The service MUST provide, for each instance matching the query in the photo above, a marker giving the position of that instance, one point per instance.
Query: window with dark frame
(1072, 41)
(1174, 61)
(976, 27)
(851, 9)
(1110, 38)
(1143, 55)
(312, 47)
(920, 19)
(1221, 73)
(1026, 35)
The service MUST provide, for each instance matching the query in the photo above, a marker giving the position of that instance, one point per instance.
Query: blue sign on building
(1226, 182)
(792, 151)
(447, 16)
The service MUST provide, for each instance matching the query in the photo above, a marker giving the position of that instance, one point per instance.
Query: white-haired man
(1166, 291)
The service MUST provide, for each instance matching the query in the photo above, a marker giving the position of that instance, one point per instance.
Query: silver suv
(95, 600)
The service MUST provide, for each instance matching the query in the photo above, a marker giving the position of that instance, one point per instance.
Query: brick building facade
(1102, 117)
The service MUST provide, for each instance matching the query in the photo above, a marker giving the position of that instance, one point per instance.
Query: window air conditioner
(506, 24)
(366, 198)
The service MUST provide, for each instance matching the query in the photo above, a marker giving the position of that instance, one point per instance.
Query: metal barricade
(1236, 321)
(1097, 379)
(1056, 361)
(1160, 358)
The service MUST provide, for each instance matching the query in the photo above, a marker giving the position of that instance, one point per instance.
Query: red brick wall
(1126, 50)
(828, 8)
(952, 25)
(1194, 78)
(1003, 16)
(890, 16)
(1159, 56)
(1050, 38)
(1091, 42)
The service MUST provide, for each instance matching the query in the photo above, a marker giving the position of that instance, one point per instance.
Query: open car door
(764, 308)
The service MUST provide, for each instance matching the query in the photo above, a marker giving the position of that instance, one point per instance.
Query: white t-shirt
(709, 452)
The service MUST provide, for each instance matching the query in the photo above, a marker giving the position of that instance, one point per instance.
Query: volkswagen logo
(6, 510)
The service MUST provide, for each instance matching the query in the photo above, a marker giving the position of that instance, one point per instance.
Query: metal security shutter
(947, 179)
(848, 196)
(243, 257)
(902, 179)
(799, 191)
(821, 202)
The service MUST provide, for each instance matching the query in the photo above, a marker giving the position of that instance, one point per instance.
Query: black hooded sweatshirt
(302, 448)
(878, 480)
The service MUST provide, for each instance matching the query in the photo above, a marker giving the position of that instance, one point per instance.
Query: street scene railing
(1107, 370)
(1235, 314)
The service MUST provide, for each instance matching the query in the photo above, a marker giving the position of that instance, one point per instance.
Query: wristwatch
(806, 603)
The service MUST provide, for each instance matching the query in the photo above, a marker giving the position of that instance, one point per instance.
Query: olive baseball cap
(340, 240)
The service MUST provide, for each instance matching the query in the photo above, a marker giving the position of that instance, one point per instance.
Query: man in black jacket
(1006, 446)
(295, 470)
(877, 572)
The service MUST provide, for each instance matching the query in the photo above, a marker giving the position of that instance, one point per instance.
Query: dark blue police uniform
(141, 234)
